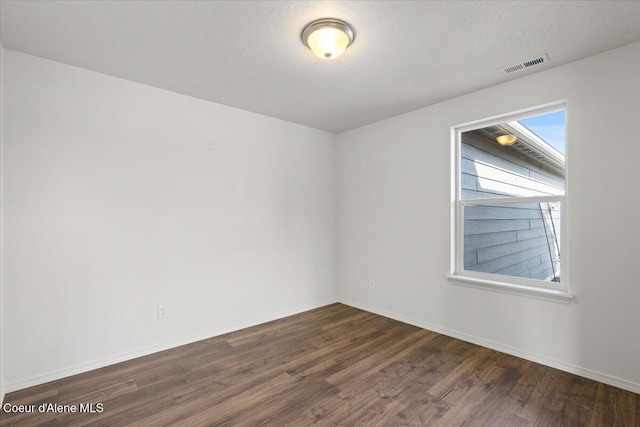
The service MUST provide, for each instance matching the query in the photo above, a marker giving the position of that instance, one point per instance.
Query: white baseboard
(79, 369)
(543, 360)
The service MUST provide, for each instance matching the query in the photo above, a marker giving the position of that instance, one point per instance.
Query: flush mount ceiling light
(506, 139)
(328, 38)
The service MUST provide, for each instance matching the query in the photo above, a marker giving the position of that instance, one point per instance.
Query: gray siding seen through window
(514, 239)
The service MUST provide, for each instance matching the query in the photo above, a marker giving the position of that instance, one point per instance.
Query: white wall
(394, 215)
(1, 231)
(120, 197)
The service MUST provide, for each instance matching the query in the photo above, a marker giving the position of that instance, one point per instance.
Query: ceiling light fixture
(328, 38)
(506, 139)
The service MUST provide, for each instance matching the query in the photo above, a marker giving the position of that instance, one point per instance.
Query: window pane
(550, 127)
(530, 166)
(513, 239)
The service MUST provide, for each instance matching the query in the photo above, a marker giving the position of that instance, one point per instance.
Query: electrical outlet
(162, 311)
(372, 284)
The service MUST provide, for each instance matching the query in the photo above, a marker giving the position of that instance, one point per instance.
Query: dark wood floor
(332, 366)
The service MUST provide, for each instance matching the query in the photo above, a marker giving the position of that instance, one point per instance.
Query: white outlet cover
(162, 311)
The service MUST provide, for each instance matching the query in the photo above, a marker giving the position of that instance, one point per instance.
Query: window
(510, 204)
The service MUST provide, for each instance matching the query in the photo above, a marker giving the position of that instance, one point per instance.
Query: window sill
(510, 288)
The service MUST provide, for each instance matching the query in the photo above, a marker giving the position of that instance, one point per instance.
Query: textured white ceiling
(249, 55)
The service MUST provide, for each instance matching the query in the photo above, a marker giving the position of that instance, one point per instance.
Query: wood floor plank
(370, 410)
(280, 408)
(457, 380)
(496, 388)
(582, 393)
(610, 405)
(526, 399)
(123, 411)
(335, 365)
(421, 408)
(501, 418)
(467, 407)
(381, 358)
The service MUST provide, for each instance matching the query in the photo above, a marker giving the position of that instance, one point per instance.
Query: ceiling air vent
(526, 64)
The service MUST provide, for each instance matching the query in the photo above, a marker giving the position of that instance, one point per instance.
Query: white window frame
(551, 291)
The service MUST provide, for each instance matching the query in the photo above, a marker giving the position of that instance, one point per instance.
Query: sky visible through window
(550, 127)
